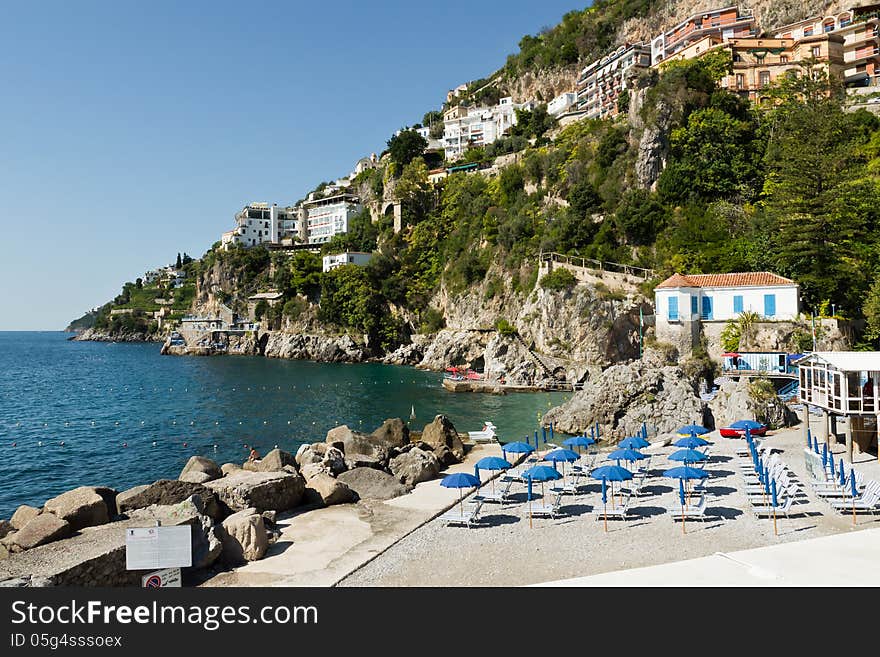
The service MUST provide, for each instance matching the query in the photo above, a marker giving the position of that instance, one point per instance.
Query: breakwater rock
(78, 538)
(96, 335)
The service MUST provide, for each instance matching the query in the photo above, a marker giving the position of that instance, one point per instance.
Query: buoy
(216, 423)
(184, 444)
(288, 422)
(117, 424)
(125, 444)
(13, 444)
(239, 421)
(276, 445)
(174, 422)
(191, 423)
(45, 424)
(264, 421)
(142, 421)
(61, 443)
(67, 424)
(154, 443)
(40, 443)
(93, 423)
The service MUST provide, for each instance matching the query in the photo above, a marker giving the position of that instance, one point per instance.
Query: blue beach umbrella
(516, 448)
(491, 463)
(746, 424)
(691, 442)
(809, 438)
(853, 490)
(685, 472)
(597, 430)
(633, 442)
(644, 432)
(578, 441)
(687, 455)
(540, 473)
(749, 435)
(681, 499)
(551, 432)
(775, 503)
(815, 444)
(562, 456)
(544, 434)
(536, 439)
(460, 480)
(605, 501)
(611, 473)
(626, 455)
(824, 455)
(831, 464)
(842, 477)
(692, 428)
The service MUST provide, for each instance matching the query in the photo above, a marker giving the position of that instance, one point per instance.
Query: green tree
(640, 217)
(405, 147)
(178, 264)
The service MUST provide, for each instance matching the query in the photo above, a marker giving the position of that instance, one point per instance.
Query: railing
(590, 263)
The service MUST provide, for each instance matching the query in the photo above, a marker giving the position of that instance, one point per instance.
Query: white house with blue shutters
(684, 302)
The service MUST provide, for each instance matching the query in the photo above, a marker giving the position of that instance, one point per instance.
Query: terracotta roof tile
(740, 279)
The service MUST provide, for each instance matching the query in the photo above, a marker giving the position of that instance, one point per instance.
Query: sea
(121, 414)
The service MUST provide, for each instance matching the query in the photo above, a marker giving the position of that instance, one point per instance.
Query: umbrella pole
(530, 513)
(683, 531)
(460, 502)
(605, 505)
(854, 509)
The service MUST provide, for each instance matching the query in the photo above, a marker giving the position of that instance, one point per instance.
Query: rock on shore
(625, 395)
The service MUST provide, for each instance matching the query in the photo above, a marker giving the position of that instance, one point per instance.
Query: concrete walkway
(319, 547)
(838, 560)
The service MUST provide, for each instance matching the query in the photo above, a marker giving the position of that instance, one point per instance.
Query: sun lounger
(500, 495)
(567, 488)
(782, 508)
(551, 510)
(469, 516)
(620, 511)
(689, 512)
(868, 502)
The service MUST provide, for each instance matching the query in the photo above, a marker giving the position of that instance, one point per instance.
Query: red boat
(732, 432)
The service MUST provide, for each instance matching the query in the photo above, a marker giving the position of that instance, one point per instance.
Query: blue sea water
(127, 415)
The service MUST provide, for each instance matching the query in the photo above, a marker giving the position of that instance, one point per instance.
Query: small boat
(739, 432)
(484, 435)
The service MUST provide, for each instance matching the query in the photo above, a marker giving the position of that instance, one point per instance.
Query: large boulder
(358, 448)
(624, 396)
(243, 536)
(327, 490)
(45, 528)
(415, 466)
(274, 461)
(392, 433)
(226, 468)
(264, 491)
(441, 432)
(313, 453)
(200, 469)
(373, 484)
(747, 400)
(167, 492)
(81, 507)
(23, 515)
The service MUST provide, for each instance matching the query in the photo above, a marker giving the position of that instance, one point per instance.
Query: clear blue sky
(131, 131)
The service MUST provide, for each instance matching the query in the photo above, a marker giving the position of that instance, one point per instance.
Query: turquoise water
(129, 416)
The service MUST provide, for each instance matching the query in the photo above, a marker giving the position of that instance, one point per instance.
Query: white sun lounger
(689, 512)
(551, 510)
(767, 509)
(869, 502)
(468, 517)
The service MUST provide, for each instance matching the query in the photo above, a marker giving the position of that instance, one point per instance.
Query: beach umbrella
(692, 428)
(633, 442)
(774, 502)
(815, 444)
(578, 441)
(544, 434)
(685, 473)
(540, 473)
(611, 473)
(691, 442)
(687, 455)
(551, 432)
(831, 464)
(852, 481)
(644, 432)
(626, 455)
(842, 477)
(824, 455)
(536, 439)
(460, 480)
(516, 448)
(561, 456)
(746, 424)
(748, 436)
(491, 463)
(605, 501)
(681, 499)
(809, 438)
(597, 430)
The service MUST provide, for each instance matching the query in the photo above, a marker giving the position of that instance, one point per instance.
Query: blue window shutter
(673, 308)
(737, 304)
(694, 308)
(707, 308)
(769, 305)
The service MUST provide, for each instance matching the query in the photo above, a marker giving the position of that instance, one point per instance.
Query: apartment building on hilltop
(859, 28)
(601, 83)
(725, 23)
(326, 217)
(470, 127)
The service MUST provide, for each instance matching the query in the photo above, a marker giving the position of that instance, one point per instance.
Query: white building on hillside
(470, 127)
(347, 258)
(686, 305)
(326, 217)
(561, 103)
(601, 83)
(261, 223)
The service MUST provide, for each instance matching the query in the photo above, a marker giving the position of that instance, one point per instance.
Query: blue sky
(131, 131)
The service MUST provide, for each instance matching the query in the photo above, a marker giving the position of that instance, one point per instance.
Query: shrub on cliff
(558, 279)
(504, 327)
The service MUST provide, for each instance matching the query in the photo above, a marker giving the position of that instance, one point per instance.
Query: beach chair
(782, 509)
(690, 512)
(501, 494)
(551, 510)
(829, 489)
(620, 511)
(468, 517)
(567, 488)
(868, 502)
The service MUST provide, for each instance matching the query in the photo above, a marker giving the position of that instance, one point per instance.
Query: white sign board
(162, 578)
(150, 548)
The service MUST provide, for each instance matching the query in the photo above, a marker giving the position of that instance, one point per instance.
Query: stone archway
(393, 208)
